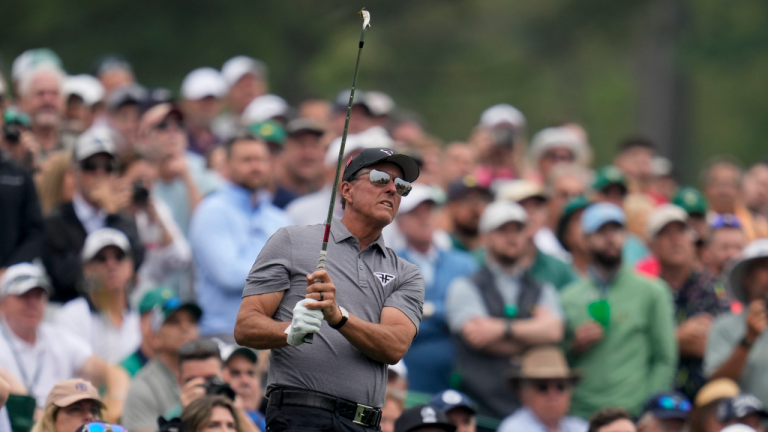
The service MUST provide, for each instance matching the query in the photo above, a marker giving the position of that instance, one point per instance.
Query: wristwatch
(745, 343)
(343, 320)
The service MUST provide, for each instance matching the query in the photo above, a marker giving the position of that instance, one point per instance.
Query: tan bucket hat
(544, 362)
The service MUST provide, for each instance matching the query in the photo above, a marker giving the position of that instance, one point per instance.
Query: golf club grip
(308, 338)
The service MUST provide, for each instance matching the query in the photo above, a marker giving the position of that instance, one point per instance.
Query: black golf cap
(373, 156)
(423, 416)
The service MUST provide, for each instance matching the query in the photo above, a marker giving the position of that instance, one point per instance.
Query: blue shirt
(430, 358)
(524, 420)
(227, 231)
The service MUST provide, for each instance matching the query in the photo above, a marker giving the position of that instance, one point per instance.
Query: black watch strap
(745, 344)
(344, 319)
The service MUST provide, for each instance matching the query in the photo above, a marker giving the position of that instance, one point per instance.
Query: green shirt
(548, 269)
(637, 356)
(134, 362)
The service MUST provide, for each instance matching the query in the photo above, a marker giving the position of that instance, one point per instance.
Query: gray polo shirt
(366, 282)
(153, 392)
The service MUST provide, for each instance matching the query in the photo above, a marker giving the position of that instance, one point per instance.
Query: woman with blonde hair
(210, 414)
(71, 404)
(55, 183)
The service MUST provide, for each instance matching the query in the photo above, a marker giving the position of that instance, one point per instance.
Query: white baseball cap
(399, 368)
(378, 103)
(101, 238)
(237, 67)
(372, 137)
(22, 277)
(264, 108)
(499, 213)
(558, 137)
(500, 114)
(97, 139)
(662, 216)
(32, 58)
(87, 87)
(420, 193)
(519, 190)
(756, 250)
(738, 428)
(203, 82)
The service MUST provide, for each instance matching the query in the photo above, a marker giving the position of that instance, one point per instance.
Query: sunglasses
(559, 157)
(674, 402)
(381, 179)
(101, 427)
(545, 386)
(91, 167)
(102, 258)
(166, 124)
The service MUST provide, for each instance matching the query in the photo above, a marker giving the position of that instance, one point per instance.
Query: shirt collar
(340, 233)
(498, 271)
(84, 210)
(245, 197)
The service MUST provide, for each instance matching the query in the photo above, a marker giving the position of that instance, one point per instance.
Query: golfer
(370, 300)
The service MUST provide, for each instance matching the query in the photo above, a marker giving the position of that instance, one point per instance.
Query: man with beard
(41, 97)
(466, 202)
(620, 329)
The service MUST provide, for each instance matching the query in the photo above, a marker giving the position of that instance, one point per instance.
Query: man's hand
(692, 335)
(326, 303)
(112, 196)
(191, 391)
(757, 321)
(586, 335)
(481, 332)
(304, 322)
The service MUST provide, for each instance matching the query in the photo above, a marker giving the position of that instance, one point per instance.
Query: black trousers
(306, 419)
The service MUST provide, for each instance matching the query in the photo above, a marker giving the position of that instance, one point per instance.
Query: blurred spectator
(246, 79)
(266, 107)
(316, 109)
(704, 415)
(739, 428)
(70, 404)
(273, 133)
(146, 351)
(611, 420)
(570, 236)
(40, 354)
(499, 311)
(696, 301)
(182, 178)
(544, 385)
(610, 185)
(723, 188)
(4, 94)
(123, 107)
(393, 407)
(431, 355)
(202, 91)
(635, 160)
(31, 59)
(240, 374)
(361, 118)
(499, 142)
(620, 329)
(211, 413)
(466, 202)
(301, 162)
(21, 222)
(40, 96)
(638, 208)
(228, 230)
(397, 376)
(103, 317)
(565, 182)
(692, 201)
(724, 244)
(755, 189)
(423, 418)
(113, 71)
(155, 389)
(556, 145)
(99, 201)
(458, 407)
(457, 161)
(736, 341)
(167, 250)
(84, 96)
(56, 184)
(664, 185)
(743, 409)
(17, 142)
(665, 412)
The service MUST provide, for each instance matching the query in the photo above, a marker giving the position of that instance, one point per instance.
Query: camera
(504, 137)
(11, 133)
(140, 194)
(216, 387)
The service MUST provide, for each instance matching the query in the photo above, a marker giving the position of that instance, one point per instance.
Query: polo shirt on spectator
(154, 391)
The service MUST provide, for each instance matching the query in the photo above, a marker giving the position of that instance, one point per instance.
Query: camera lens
(11, 133)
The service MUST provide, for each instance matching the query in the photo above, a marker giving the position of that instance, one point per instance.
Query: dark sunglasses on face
(559, 157)
(381, 179)
(545, 386)
(103, 257)
(166, 124)
(92, 166)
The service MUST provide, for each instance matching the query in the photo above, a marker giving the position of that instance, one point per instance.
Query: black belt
(359, 414)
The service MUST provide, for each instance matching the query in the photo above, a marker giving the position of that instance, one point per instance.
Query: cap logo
(349, 161)
(428, 415)
(81, 387)
(385, 278)
(451, 397)
(388, 152)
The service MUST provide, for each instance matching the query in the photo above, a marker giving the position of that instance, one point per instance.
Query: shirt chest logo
(384, 278)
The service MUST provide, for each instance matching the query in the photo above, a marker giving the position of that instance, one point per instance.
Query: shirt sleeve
(408, 298)
(720, 344)
(550, 300)
(140, 412)
(463, 303)
(272, 270)
(663, 344)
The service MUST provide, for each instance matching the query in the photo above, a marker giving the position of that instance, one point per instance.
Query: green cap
(168, 301)
(691, 200)
(574, 205)
(609, 175)
(269, 131)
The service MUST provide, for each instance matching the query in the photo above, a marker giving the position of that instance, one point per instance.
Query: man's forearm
(733, 365)
(258, 331)
(541, 329)
(193, 195)
(380, 342)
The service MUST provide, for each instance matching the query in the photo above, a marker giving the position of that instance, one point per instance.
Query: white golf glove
(304, 322)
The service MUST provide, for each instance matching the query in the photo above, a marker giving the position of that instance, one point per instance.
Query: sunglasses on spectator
(167, 123)
(673, 403)
(92, 166)
(101, 427)
(545, 386)
(103, 257)
(559, 156)
(381, 179)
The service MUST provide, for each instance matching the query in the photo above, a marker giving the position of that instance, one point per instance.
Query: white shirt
(56, 355)
(108, 342)
(547, 242)
(92, 218)
(524, 420)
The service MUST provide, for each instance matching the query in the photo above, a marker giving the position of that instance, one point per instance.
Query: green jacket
(637, 356)
(548, 269)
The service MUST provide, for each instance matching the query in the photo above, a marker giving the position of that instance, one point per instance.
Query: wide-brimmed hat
(735, 275)
(544, 362)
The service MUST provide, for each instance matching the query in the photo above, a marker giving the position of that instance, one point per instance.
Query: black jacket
(21, 221)
(64, 239)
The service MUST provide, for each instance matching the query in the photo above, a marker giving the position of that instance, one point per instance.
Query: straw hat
(545, 362)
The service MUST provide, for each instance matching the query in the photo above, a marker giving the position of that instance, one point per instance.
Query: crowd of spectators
(559, 296)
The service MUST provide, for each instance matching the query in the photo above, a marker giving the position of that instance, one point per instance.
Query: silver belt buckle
(359, 415)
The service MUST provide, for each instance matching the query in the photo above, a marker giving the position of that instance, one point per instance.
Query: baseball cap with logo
(373, 156)
(93, 141)
(22, 277)
(447, 400)
(101, 238)
(662, 216)
(739, 407)
(668, 406)
(690, 200)
(459, 189)
(499, 213)
(269, 131)
(599, 214)
(65, 393)
(423, 416)
(607, 176)
(203, 82)
(165, 302)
